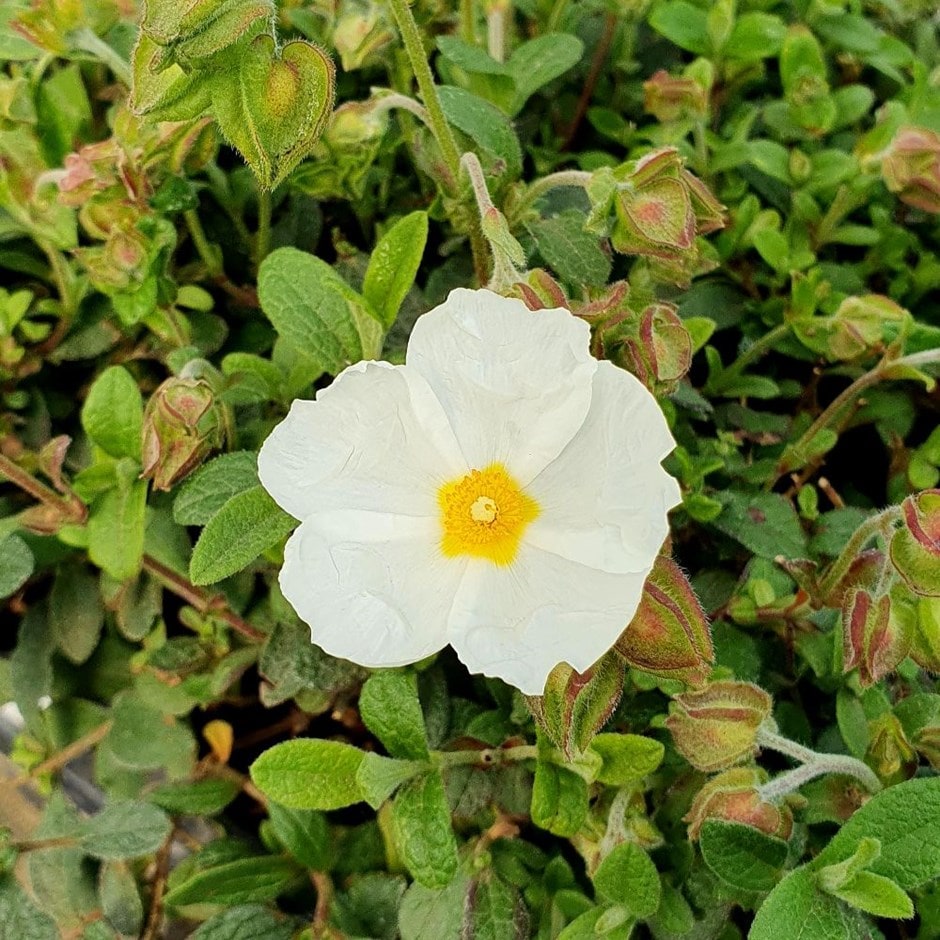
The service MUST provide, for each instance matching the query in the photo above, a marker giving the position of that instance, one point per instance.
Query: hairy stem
(263, 235)
(488, 757)
(204, 248)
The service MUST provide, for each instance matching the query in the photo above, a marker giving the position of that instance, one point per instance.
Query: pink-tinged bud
(661, 351)
(864, 572)
(733, 796)
(911, 168)
(182, 424)
(890, 753)
(669, 634)
(915, 547)
(876, 635)
(540, 291)
(860, 325)
(717, 727)
(91, 170)
(669, 97)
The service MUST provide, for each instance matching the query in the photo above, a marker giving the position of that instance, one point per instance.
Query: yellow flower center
(484, 514)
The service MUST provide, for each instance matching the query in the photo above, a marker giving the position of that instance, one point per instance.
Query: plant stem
(88, 41)
(467, 21)
(58, 760)
(414, 48)
(863, 534)
(72, 510)
(813, 763)
(204, 248)
(263, 235)
(496, 31)
(553, 181)
(754, 351)
(488, 757)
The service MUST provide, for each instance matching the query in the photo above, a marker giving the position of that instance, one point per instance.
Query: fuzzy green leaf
(238, 882)
(125, 830)
(390, 709)
(213, 484)
(628, 877)
(422, 830)
(393, 265)
(16, 564)
(742, 856)
(113, 413)
(305, 833)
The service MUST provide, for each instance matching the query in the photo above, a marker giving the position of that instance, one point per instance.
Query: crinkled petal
(514, 384)
(376, 440)
(373, 587)
(604, 500)
(517, 622)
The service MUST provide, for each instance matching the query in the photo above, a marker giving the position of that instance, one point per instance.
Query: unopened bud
(182, 424)
(890, 753)
(915, 547)
(860, 325)
(716, 727)
(734, 796)
(670, 97)
(911, 168)
(359, 34)
(925, 638)
(669, 634)
(875, 635)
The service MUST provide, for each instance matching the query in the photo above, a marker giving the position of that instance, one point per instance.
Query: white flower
(501, 492)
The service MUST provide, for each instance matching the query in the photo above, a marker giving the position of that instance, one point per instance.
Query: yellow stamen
(484, 514)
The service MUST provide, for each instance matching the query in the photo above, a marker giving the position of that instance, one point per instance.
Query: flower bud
(911, 168)
(670, 97)
(860, 325)
(927, 742)
(876, 635)
(734, 796)
(661, 352)
(669, 634)
(359, 34)
(717, 726)
(890, 753)
(182, 424)
(915, 547)
(925, 638)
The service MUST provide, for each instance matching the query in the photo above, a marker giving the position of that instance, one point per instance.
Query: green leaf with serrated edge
(245, 922)
(539, 61)
(765, 523)
(876, 895)
(238, 882)
(559, 799)
(628, 877)
(20, 919)
(626, 757)
(494, 910)
(113, 413)
(195, 797)
(433, 913)
(905, 819)
(116, 528)
(305, 833)
(421, 827)
(484, 124)
(125, 830)
(312, 308)
(379, 777)
(742, 856)
(573, 253)
(76, 613)
(143, 738)
(798, 900)
(121, 903)
(393, 265)
(248, 524)
(309, 774)
(213, 484)
(390, 709)
(16, 564)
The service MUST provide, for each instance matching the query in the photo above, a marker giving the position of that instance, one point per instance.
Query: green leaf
(248, 524)
(238, 882)
(197, 797)
(16, 564)
(683, 24)
(394, 264)
(76, 613)
(20, 919)
(116, 528)
(245, 922)
(390, 709)
(125, 830)
(421, 827)
(559, 799)
(905, 819)
(574, 254)
(308, 773)
(113, 413)
(798, 900)
(379, 777)
(316, 311)
(539, 61)
(876, 895)
(213, 484)
(120, 899)
(742, 856)
(305, 833)
(433, 913)
(755, 36)
(494, 910)
(484, 124)
(628, 877)
(143, 738)
(627, 758)
(765, 523)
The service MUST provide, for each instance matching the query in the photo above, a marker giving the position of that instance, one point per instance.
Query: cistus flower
(501, 492)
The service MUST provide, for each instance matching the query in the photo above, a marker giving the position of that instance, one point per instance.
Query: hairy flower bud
(669, 634)
(915, 547)
(860, 325)
(671, 97)
(717, 726)
(734, 796)
(890, 753)
(182, 424)
(876, 635)
(911, 168)
(925, 638)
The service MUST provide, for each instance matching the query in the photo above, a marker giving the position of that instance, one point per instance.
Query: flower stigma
(484, 514)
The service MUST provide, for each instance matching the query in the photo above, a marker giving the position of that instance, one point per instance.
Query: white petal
(373, 587)
(515, 384)
(519, 621)
(376, 439)
(604, 500)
